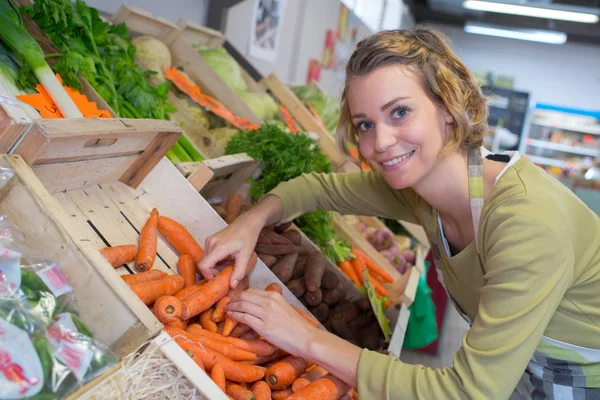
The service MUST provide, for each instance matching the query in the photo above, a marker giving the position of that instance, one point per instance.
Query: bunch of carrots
(242, 364)
(354, 269)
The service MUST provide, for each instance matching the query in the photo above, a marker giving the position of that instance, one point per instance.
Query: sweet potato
(293, 236)
(300, 266)
(362, 304)
(313, 299)
(330, 280)
(233, 207)
(314, 271)
(297, 287)
(370, 336)
(268, 260)
(276, 238)
(283, 227)
(284, 268)
(276, 249)
(339, 326)
(320, 312)
(349, 312)
(332, 297)
(262, 237)
(363, 319)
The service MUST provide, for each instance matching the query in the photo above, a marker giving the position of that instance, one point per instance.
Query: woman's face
(400, 130)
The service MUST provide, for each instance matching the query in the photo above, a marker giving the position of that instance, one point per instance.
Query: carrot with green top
(150, 291)
(148, 241)
(152, 275)
(346, 267)
(180, 238)
(358, 265)
(119, 255)
(373, 268)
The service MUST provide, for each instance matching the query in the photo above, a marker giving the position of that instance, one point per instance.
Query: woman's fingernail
(234, 283)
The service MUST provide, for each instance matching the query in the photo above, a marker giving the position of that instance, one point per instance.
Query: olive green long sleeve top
(537, 274)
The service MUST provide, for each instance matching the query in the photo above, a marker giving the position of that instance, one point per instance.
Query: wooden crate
(69, 154)
(14, 124)
(218, 178)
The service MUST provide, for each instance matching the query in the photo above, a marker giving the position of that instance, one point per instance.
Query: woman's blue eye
(399, 112)
(364, 126)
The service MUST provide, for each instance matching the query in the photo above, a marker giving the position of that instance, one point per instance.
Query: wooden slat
(200, 36)
(199, 176)
(143, 22)
(304, 118)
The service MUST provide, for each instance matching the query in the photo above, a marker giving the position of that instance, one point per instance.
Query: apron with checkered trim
(557, 370)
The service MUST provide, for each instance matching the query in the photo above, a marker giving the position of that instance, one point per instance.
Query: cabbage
(225, 66)
(263, 105)
(326, 106)
(271, 107)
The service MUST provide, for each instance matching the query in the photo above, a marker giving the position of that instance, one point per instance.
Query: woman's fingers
(246, 307)
(211, 258)
(239, 268)
(248, 319)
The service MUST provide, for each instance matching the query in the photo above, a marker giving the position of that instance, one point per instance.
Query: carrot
(236, 392)
(219, 313)
(326, 388)
(226, 349)
(274, 287)
(257, 346)
(119, 255)
(261, 390)
(233, 206)
(250, 335)
(180, 238)
(281, 394)
(167, 309)
(315, 373)
(178, 323)
(307, 317)
(373, 268)
(228, 326)
(207, 295)
(147, 276)
(358, 265)
(346, 267)
(251, 262)
(379, 287)
(192, 350)
(267, 361)
(150, 291)
(148, 237)
(187, 269)
(185, 292)
(218, 376)
(240, 330)
(283, 373)
(234, 371)
(207, 322)
(299, 384)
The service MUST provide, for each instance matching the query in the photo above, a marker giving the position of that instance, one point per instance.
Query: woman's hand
(239, 239)
(273, 319)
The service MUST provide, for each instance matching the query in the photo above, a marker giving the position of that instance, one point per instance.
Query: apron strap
(476, 193)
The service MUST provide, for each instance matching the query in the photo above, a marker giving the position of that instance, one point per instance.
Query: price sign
(289, 121)
(42, 102)
(377, 305)
(206, 101)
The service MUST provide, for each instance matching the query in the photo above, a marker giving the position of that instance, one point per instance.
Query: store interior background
(566, 75)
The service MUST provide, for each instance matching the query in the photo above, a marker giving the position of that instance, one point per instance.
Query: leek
(14, 34)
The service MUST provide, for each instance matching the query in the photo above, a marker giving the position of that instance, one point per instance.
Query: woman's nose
(384, 138)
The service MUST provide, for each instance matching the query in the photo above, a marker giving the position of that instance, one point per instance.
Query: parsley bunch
(102, 54)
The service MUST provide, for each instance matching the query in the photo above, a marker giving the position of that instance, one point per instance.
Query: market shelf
(547, 161)
(563, 147)
(593, 130)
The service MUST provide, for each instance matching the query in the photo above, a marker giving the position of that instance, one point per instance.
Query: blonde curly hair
(445, 79)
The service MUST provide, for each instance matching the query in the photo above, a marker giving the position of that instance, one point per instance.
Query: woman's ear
(448, 118)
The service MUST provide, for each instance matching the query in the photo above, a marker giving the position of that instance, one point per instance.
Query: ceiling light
(531, 11)
(533, 35)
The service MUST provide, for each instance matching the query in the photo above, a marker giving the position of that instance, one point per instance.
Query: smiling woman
(519, 254)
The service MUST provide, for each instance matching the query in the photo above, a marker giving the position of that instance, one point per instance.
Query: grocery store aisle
(452, 333)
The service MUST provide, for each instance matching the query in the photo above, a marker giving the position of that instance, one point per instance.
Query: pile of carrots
(242, 364)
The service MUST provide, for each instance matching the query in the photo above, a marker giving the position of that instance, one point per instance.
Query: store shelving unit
(564, 138)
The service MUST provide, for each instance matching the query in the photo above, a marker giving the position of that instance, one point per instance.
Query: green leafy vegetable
(225, 66)
(327, 107)
(317, 226)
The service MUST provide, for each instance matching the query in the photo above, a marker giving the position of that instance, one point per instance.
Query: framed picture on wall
(265, 29)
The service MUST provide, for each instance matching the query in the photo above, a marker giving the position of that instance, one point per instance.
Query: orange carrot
(192, 350)
(226, 349)
(283, 373)
(346, 267)
(219, 313)
(299, 384)
(233, 207)
(358, 264)
(257, 346)
(326, 388)
(236, 392)
(150, 291)
(281, 394)
(251, 262)
(234, 371)
(208, 294)
(250, 335)
(316, 373)
(207, 322)
(148, 236)
(267, 361)
(228, 326)
(307, 317)
(180, 238)
(240, 330)
(261, 390)
(185, 292)
(187, 269)
(178, 323)
(388, 303)
(218, 376)
(119, 255)
(167, 309)
(373, 268)
(274, 287)
(147, 276)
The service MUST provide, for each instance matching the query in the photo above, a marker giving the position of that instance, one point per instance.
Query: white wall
(174, 10)
(566, 75)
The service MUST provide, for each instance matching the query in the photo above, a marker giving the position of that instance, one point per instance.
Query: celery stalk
(14, 34)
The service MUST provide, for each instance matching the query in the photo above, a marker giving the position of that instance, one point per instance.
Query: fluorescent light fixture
(532, 35)
(528, 11)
